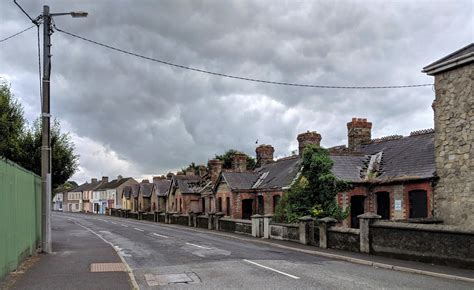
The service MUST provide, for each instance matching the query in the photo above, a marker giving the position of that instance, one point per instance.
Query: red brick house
(184, 194)
(161, 186)
(391, 176)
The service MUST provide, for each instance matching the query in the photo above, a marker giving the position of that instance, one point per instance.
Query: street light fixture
(46, 162)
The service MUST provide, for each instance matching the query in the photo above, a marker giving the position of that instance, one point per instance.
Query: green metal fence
(20, 215)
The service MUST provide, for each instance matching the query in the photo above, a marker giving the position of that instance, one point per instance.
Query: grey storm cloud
(135, 117)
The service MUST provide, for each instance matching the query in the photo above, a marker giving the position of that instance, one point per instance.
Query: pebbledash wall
(20, 215)
(454, 136)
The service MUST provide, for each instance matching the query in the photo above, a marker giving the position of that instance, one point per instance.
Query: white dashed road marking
(271, 269)
(124, 225)
(140, 230)
(198, 246)
(161, 236)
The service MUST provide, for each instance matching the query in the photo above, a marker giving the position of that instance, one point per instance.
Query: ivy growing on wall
(314, 192)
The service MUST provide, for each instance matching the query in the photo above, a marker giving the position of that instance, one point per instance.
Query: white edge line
(158, 235)
(140, 230)
(198, 246)
(129, 270)
(271, 269)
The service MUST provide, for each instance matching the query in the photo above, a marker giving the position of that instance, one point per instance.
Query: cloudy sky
(138, 118)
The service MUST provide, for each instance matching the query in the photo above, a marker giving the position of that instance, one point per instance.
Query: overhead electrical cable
(237, 77)
(18, 33)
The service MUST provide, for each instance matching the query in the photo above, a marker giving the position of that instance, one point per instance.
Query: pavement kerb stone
(129, 270)
(329, 255)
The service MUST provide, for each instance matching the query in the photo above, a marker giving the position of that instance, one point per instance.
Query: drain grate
(108, 267)
(165, 279)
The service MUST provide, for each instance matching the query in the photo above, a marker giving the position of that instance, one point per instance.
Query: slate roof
(135, 189)
(240, 180)
(187, 183)
(162, 187)
(278, 174)
(113, 184)
(468, 49)
(348, 168)
(146, 189)
(127, 191)
(410, 157)
(81, 187)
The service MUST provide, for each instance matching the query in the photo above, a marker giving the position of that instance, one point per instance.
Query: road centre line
(124, 225)
(140, 230)
(271, 269)
(114, 223)
(158, 235)
(198, 246)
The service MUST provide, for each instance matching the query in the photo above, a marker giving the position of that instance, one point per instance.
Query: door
(418, 204)
(357, 208)
(247, 210)
(383, 205)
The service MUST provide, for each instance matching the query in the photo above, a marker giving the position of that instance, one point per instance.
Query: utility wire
(23, 10)
(18, 33)
(237, 77)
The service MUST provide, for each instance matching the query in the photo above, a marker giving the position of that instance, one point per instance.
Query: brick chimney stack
(308, 138)
(145, 181)
(105, 179)
(93, 180)
(239, 162)
(264, 154)
(215, 168)
(359, 131)
(190, 171)
(119, 177)
(169, 176)
(157, 178)
(202, 170)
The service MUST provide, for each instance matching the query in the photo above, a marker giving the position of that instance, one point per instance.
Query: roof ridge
(385, 138)
(422, 132)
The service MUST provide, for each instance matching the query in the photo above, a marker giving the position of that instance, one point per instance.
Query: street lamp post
(46, 159)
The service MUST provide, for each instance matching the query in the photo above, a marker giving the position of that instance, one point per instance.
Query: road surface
(185, 257)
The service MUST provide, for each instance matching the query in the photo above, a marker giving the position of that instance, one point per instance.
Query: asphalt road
(159, 253)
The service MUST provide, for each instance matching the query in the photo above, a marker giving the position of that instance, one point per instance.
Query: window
(418, 204)
(227, 208)
(219, 204)
(261, 206)
(210, 204)
(276, 201)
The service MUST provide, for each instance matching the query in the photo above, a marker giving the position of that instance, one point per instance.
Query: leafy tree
(22, 144)
(314, 192)
(64, 160)
(11, 123)
(227, 159)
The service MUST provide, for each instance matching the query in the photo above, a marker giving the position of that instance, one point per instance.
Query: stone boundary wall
(346, 239)
(432, 243)
(235, 226)
(439, 244)
(285, 232)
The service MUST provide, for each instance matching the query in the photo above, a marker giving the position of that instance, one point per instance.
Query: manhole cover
(165, 279)
(108, 267)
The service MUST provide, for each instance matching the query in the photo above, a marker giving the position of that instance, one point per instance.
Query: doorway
(247, 209)
(357, 208)
(383, 205)
(418, 204)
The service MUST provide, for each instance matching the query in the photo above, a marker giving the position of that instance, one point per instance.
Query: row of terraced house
(398, 177)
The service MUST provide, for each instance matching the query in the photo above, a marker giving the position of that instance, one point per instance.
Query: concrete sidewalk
(69, 267)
